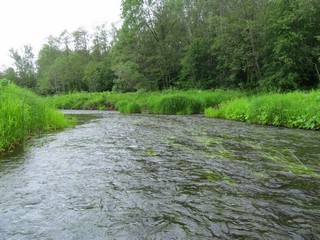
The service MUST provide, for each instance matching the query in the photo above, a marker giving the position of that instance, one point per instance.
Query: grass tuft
(165, 102)
(23, 114)
(177, 104)
(295, 110)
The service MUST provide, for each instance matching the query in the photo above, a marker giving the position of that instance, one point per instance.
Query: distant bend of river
(145, 176)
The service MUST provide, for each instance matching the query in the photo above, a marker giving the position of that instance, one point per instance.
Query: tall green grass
(295, 110)
(23, 114)
(165, 102)
(176, 104)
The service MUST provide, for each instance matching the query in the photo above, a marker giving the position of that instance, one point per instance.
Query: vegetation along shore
(23, 114)
(269, 48)
(296, 109)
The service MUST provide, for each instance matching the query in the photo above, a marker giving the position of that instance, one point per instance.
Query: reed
(176, 104)
(295, 110)
(165, 102)
(128, 107)
(23, 114)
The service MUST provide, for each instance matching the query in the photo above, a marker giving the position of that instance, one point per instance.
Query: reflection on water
(163, 177)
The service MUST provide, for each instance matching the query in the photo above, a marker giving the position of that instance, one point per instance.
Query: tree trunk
(317, 70)
(255, 54)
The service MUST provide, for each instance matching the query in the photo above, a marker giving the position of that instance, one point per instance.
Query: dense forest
(264, 45)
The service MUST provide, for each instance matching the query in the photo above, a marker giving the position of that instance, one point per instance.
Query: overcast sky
(32, 21)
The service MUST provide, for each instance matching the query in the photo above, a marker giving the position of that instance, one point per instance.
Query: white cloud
(31, 22)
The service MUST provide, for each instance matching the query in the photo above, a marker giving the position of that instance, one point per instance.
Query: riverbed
(144, 176)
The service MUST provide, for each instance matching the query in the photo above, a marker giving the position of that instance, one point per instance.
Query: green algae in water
(262, 175)
(290, 162)
(150, 152)
(254, 145)
(214, 147)
(208, 141)
(222, 152)
(219, 152)
(218, 177)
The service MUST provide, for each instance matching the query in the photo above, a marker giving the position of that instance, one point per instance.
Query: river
(144, 176)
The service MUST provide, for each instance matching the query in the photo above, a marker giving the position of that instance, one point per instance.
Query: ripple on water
(161, 177)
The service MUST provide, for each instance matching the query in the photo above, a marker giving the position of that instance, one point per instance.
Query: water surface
(162, 177)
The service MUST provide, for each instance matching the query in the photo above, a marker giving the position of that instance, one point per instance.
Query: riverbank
(165, 102)
(23, 114)
(294, 110)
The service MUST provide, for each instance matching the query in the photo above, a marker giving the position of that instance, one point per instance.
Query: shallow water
(162, 177)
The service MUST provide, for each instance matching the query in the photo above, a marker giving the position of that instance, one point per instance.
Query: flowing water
(145, 176)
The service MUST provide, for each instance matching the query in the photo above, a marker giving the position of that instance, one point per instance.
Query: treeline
(184, 44)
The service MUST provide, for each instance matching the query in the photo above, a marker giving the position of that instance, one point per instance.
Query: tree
(25, 69)
(80, 40)
(9, 74)
(198, 62)
(47, 57)
(100, 42)
(292, 61)
(151, 40)
(128, 77)
(203, 44)
(68, 71)
(197, 66)
(238, 42)
(98, 76)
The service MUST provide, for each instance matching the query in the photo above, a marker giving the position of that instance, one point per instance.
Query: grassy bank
(294, 110)
(23, 114)
(167, 102)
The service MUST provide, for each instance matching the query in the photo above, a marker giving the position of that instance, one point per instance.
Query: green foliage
(25, 70)
(98, 77)
(177, 104)
(197, 66)
(128, 77)
(9, 74)
(22, 114)
(237, 43)
(166, 102)
(133, 108)
(214, 98)
(212, 113)
(233, 110)
(297, 109)
(128, 107)
(270, 109)
(291, 60)
(122, 106)
(186, 44)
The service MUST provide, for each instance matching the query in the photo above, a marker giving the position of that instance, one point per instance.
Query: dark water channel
(163, 177)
